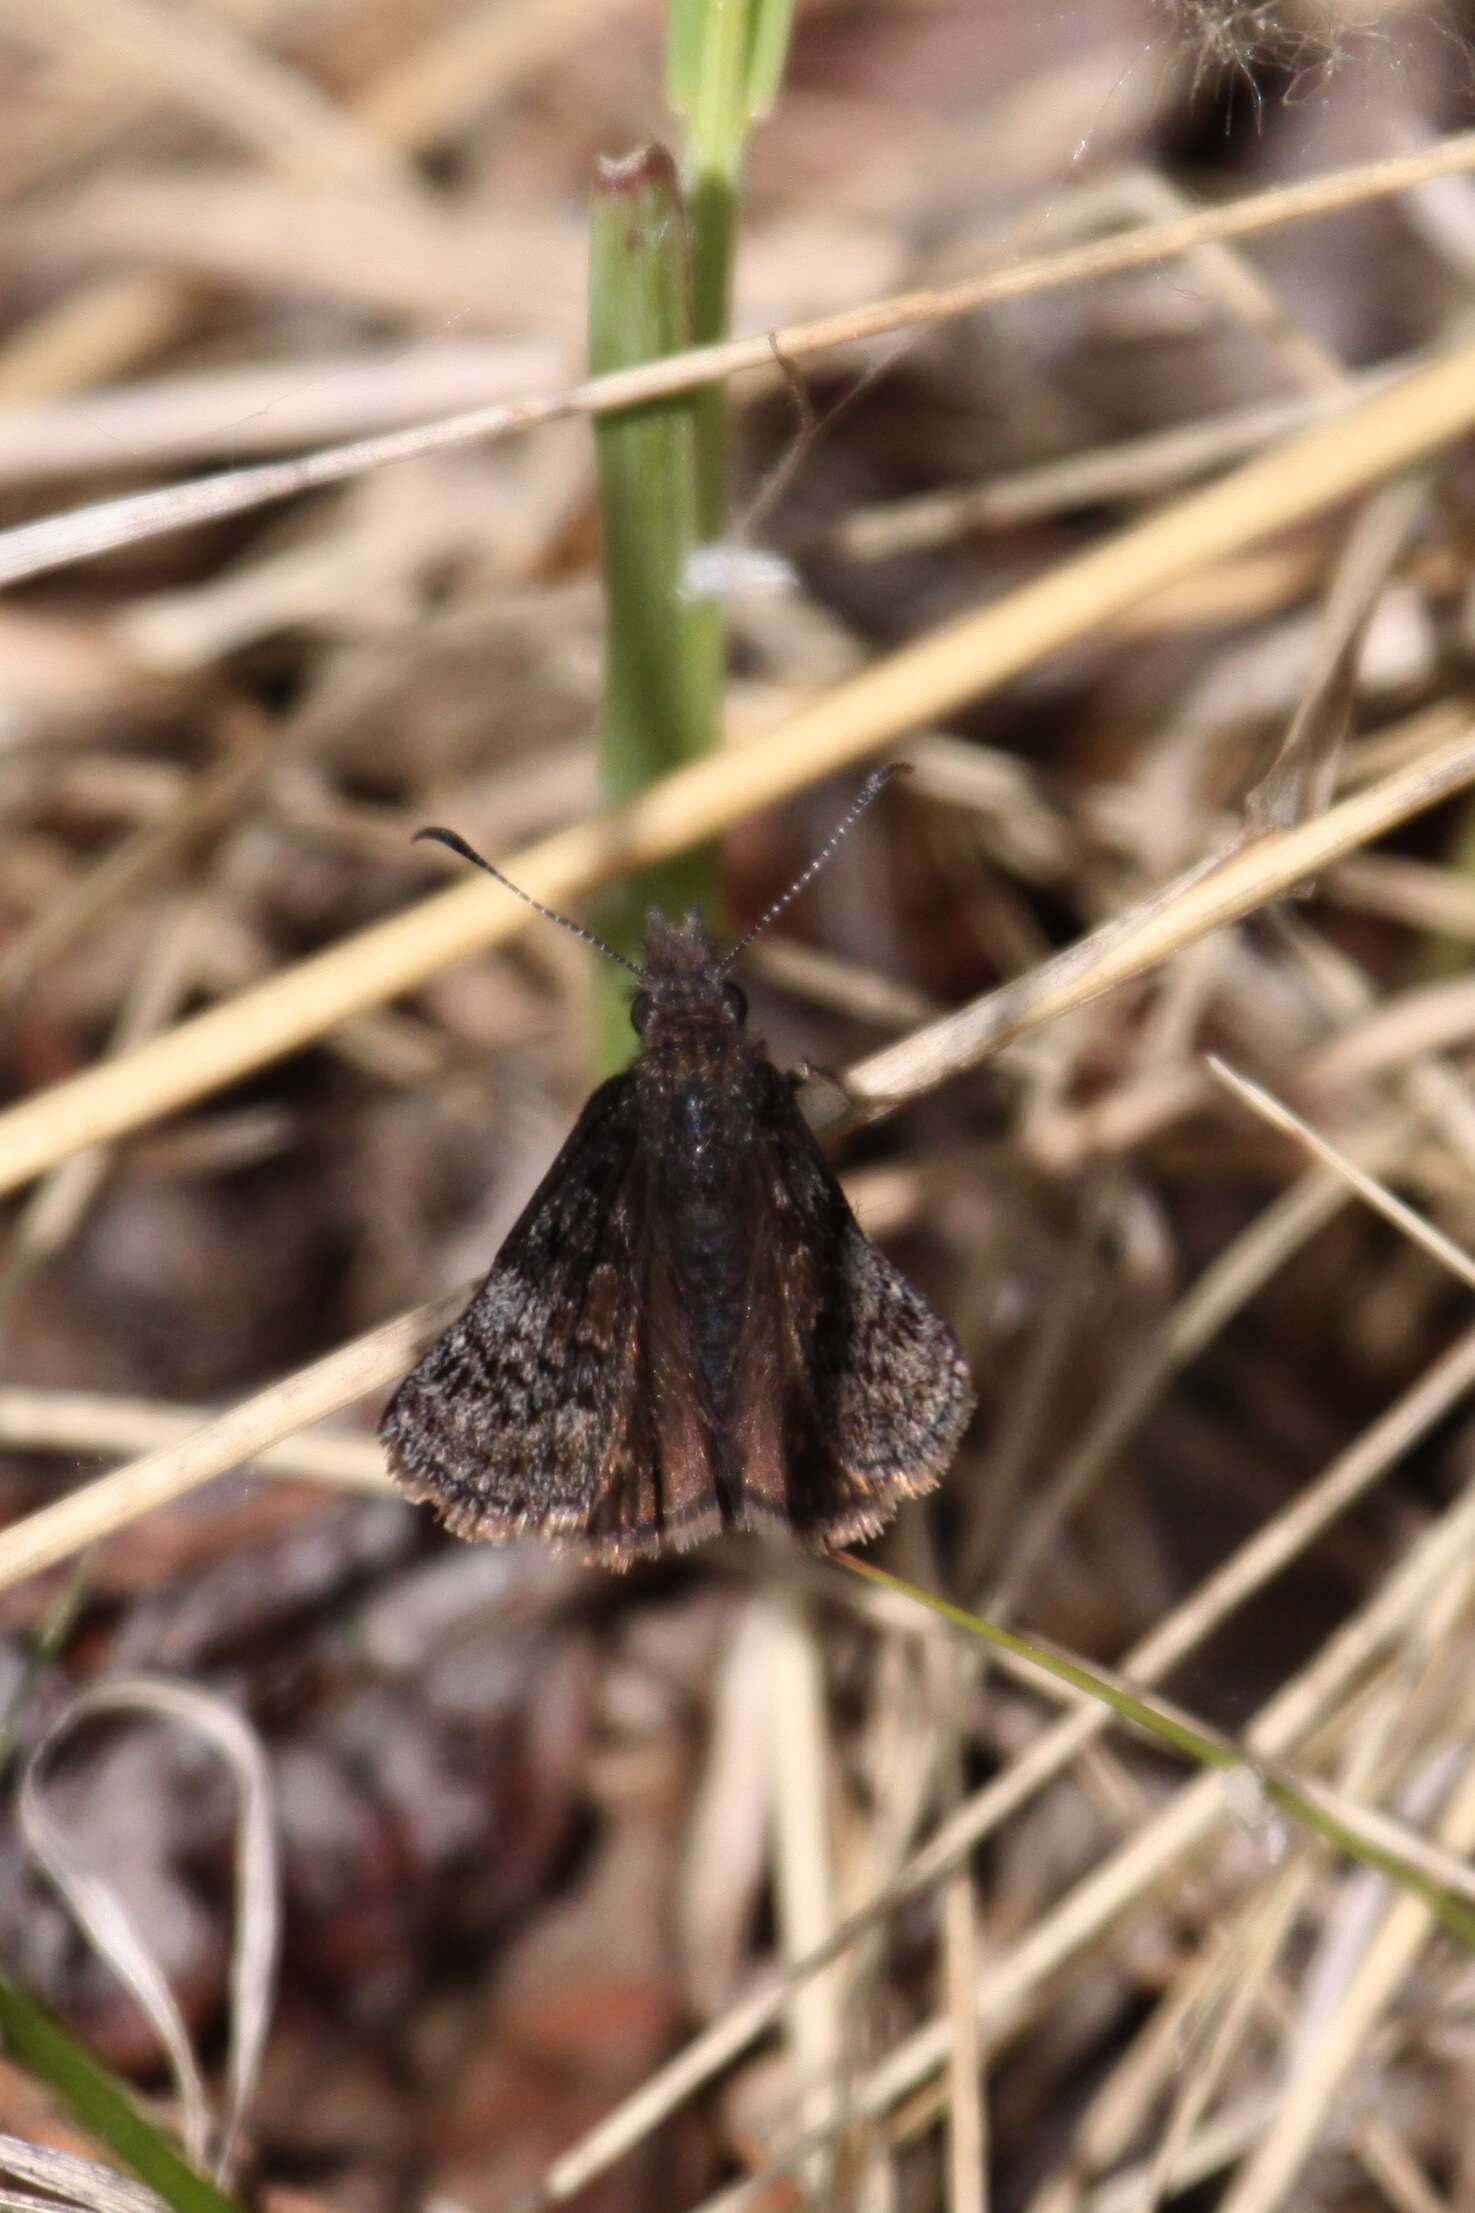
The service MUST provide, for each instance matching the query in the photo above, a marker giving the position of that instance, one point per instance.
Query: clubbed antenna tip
(440, 836)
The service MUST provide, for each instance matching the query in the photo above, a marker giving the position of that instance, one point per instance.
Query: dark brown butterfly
(687, 1330)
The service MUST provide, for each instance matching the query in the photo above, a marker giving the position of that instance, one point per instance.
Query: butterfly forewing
(517, 1418)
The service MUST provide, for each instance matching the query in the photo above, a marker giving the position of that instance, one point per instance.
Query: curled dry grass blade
(37, 2039)
(102, 1913)
(75, 2181)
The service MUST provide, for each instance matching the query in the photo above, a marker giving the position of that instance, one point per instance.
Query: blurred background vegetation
(531, 1827)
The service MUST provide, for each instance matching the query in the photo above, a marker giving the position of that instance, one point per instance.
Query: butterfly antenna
(875, 783)
(469, 853)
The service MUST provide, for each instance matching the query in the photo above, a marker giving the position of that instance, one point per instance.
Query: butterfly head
(684, 987)
(685, 998)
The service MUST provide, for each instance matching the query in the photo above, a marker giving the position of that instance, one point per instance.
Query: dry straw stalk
(32, 548)
(920, 683)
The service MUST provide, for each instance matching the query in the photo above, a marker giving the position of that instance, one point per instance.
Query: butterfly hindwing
(854, 1393)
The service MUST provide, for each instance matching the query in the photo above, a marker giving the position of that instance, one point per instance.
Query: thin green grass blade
(1197, 1744)
(663, 656)
(661, 262)
(102, 2104)
(725, 60)
(768, 50)
(686, 23)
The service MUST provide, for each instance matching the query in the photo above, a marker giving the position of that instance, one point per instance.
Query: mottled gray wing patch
(518, 1418)
(856, 1394)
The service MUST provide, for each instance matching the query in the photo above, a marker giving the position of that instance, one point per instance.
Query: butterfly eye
(737, 1000)
(640, 1007)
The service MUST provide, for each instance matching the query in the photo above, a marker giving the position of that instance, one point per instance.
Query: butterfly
(687, 1330)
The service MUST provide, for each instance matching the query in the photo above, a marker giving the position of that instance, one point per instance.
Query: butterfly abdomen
(703, 1184)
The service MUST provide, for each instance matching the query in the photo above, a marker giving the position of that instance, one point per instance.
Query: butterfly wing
(852, 1393)
(545, 1408)
(564, 1401)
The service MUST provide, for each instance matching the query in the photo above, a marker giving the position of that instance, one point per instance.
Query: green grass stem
(102, 2104)
(1194, 1743)
(663, 656)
